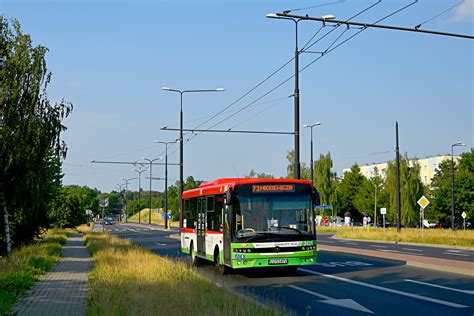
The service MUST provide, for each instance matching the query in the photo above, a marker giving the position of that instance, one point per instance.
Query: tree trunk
(7, 228)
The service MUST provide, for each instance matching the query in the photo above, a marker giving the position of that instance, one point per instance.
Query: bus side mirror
(316, 198)
(229, 197)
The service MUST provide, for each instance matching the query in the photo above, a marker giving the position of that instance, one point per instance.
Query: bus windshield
(273, 216)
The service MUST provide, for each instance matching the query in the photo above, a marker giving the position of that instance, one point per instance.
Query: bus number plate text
(278, 261)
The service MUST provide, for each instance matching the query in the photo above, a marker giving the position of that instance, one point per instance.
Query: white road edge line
(380, 288)
(456, 254)
(411, 249)
(377, 246)
(442, 287)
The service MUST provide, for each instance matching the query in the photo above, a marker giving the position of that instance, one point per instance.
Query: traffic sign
(423, 202)
(463, 215)
(170, 216)
(324, 207)
(383, 211)
(104, 202)
(163, 214)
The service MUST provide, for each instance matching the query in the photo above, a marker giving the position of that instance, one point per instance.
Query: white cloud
(465, 12)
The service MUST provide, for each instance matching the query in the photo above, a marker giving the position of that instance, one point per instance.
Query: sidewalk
(63, 290)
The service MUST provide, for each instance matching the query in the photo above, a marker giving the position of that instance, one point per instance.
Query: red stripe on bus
(187, 230)
(211, 232)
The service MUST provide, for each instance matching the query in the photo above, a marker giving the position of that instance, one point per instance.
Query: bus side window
(191, 213)
(210, 213)
(218, 210)
(186, 213)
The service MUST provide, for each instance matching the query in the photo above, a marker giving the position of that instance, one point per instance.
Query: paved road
(414, 250)
(341, 284)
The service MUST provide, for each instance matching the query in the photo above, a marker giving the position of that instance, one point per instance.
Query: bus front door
(201, 227)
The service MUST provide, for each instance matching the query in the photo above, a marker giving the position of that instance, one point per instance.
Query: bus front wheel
(217, 262)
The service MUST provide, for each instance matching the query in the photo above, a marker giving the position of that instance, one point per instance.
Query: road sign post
(383, 211)
(104, 202)
(464, 215)
(423, 202)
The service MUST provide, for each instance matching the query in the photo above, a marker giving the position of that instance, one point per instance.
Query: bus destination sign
(273, 188)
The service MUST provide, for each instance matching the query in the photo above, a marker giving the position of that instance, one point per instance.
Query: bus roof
(220, 186)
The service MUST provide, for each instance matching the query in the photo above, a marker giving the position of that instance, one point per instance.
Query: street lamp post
(150, 161)
(127, 181)
(166, 177)
(311, 162)
(452, 182)
(119, 191)
(181, 145)
(139, 171)
(296, 95)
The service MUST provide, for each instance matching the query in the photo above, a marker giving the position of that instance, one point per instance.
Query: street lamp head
(328, 17)
(306, 125)
(317, 124)
(272, 16)
(220, 89)
(458, 144)
(166, 88)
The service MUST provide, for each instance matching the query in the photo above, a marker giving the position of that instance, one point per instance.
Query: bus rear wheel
(194, 258)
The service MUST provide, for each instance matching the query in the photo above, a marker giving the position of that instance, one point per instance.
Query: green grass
(19, 272)
(431, 236)
(129, 280)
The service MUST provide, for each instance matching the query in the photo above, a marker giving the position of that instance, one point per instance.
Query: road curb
(404, 243)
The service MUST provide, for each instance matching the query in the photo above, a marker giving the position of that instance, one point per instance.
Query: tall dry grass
(155, 218)
(26, 264)
(128, 280)
(431, 236)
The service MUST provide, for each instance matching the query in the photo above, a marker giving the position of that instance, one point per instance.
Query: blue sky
(111, 58)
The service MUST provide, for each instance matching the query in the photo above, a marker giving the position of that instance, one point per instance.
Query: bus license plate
(278, 261)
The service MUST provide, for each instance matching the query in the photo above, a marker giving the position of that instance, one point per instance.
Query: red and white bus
(248, 223)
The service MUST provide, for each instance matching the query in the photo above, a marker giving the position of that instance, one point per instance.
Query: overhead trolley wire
(280, 68)
(304, 68)
(311, 63)
(315, 6)
(439, 14)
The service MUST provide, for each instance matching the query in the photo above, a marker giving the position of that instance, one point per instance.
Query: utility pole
(139, 170)
(397, 151)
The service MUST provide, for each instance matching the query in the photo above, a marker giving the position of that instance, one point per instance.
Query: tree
(323, 176)
(464, 187)
(440, 191)
(304, 170)
(260, 175)
(30, 180)
(69, 210)
(348, 189)
(411, 189)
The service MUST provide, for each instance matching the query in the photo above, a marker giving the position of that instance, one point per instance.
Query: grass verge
(128, 280)
(464, 238)
(26, 264)
(155, 218)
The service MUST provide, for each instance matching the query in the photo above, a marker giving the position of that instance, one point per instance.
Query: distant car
(107, 222)
(442, 225)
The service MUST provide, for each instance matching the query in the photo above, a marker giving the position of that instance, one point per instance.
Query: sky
(111, 59)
